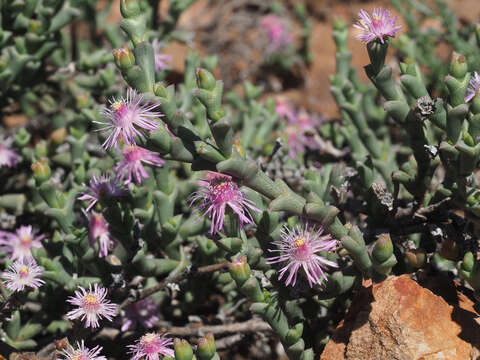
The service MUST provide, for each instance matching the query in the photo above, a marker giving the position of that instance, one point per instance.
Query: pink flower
(124, 116)
(215, 193)
(19, 244)
(82, 353)
(144, 312)
(473, 87)
(278, 33)
(98, 230)
(299, 248)
(162, 61)
(102, 187)
(92, 306)
(378, 26)
(8, 157)
(131, 165)
(150, 345)
(23, 273)
(300, 129)
(285, 110)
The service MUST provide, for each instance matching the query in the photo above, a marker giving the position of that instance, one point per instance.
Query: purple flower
(302, 135)
(473, 87)
(162, 61)
(299, 248)
(150, 345)
(19, 244)
(285, 110)
(144, 312)
(8, 157)
(82, 353)
(300, 129)
(131, 165)
(378, 26)
(215, 193)
(102, 187)
(92, 305)
(278, 33)
(23, 273)
(124, 116)
(98, 230)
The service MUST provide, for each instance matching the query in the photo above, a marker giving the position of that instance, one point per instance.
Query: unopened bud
(339, 23)
(183, 350)
(382, 249)
(124, 57)
(468, 262)
(83, 100)
(416, 257)
(205, 79)
(160, 90)
(240, 270)
(206, 347)
(58, 136)
(458, 66)
(41, 170)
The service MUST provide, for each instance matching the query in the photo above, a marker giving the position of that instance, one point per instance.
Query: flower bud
(124, 57)
(339, 23)
(468, 262)
(458, 65)
(183, 350)
(160, 90)
(206, 347)
(240, 270)
(41, 170)
(205, 79)
(83, 100)
(382, 249)
(416, 257)
(58, 136)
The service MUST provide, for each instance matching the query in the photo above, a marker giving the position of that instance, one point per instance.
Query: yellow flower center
(299, 242)
(91, 299)
(25, 240)
(222, 185)
(117, 105)
(78, 356)
(23, 271)
(148, 338)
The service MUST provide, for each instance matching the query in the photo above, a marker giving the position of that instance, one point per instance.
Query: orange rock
(402, 320)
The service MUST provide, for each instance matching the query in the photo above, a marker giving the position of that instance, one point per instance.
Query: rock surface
(399, 319)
